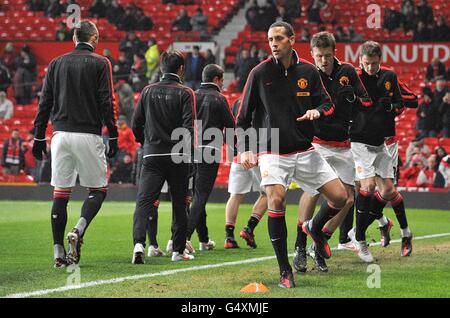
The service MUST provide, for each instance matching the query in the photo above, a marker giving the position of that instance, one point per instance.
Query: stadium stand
(20, 25)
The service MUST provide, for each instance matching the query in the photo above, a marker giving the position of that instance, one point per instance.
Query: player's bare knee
(277, 202)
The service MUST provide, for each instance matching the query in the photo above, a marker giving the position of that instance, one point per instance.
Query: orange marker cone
(255, 288)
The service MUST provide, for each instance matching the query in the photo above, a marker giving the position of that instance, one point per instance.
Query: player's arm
(363, 99)
(107, 100)
(410, 100)
(189, 117)
(319, 97)
(227, 115)
(249, 100)
(138, 121)
(398, 105)
(46, 103)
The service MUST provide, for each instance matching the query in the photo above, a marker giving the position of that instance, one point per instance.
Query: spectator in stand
(210, 58)
(252, 15)
(8, 57)
(62, 33)
(143, 22)
(305, 35)
(128, 22)
(194, 64)
(98, 9)
(434, 69)
(416, 146)
(127, 141)
(243, 67)
(6, 107)
(424, 12)
(5, 78)
(131, 45)
(444, 113)
(353, 36)
(411, 173)
(327, 14)
(262, 55)
(314, 12)
(12, 156)
(392, 19)
(269, 14)
(122, 172)
(138, 79)
(115, 12)
(427, 175)
(444, 170)
(340, 35)
(253, 51)
(122, 68)
(54, 9)
(25, 76)
(30, 162)
(421, 33)
(427, 118)
(293, 8)
(440, 153)
(152, 57)
(438, 97)
(182, 22)
(36, 5)
(408, 15)
(199, 23)
(284, 15)
(441, 30)
(448, 74)
(126, 100)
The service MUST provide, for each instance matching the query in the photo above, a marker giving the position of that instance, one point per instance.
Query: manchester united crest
(302, 83)
(344, 80)
(388, 85)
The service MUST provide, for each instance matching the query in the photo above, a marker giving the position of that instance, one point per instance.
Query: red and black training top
(78, 93)
(334, 129)
(274, 97)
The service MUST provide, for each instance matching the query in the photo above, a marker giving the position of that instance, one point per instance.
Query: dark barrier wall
(419, 200)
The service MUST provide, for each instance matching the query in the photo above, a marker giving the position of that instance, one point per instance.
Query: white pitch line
(172, 272)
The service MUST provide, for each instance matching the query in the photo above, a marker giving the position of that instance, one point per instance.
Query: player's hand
(346, 92)
(39, 148)
(386, 103)
(248, 160)
(311, 114)
(113, 147)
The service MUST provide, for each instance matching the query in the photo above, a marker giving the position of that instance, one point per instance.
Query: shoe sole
(250, 241)
(326, 248)
(73, 256)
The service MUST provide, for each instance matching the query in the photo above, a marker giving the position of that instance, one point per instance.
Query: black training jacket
(213, 111)
(376, 123)
(78, 93)
(162, 108)
(336, 127)
(274, 97)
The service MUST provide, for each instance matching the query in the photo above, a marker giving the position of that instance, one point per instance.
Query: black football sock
(346, 226)
(229, 230)
(253, 221)
(327, 233)
(90, 208)
(325, 214)
(301, 236)
(399, 208)
(59, 219)
(362, 214)
(278, 236)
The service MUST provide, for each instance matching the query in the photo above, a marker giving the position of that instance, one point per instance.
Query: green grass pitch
(26, 258)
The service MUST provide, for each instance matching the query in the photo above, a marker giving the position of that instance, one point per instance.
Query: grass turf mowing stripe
(175, 271)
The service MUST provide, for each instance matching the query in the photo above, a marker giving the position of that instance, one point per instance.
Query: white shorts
(371, 161)
(78, 154)
(340, 159)
(308, 169)
(243, 181)
(392, 150)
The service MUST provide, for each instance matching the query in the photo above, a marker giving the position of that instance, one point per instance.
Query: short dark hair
(371, 49)
(323, 40)
(289, 29)
(86, 30)
(170, 62)
(211, 71)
